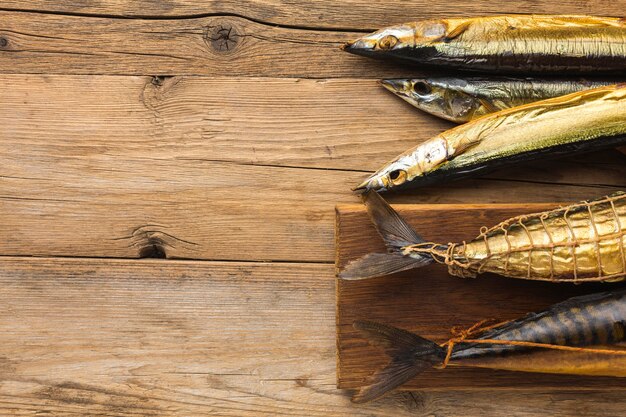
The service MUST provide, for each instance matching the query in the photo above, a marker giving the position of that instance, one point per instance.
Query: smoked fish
(580, 336)
(504, 44)
(462, 99)
(583, 121)
(583, 242)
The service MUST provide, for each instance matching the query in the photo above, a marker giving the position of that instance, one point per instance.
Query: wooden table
(216, 136)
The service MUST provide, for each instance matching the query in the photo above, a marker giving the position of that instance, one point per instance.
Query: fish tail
(410, 355)
(396, 233)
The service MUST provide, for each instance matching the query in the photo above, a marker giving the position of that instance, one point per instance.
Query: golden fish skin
(582, 242)
(578, 243)
(554, 362)
(591, 326)
(506, 43)
(583, 121)
(461, 100)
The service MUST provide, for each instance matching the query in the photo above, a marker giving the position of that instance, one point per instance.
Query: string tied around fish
(464, 336)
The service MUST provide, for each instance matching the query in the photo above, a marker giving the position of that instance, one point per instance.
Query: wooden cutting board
(429, 301)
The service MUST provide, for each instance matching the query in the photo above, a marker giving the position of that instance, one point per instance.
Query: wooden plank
(431, 302)
(191, 167)
(217, 46)
(165, 338)
(181, 338)
(322, 13)
(212, 45)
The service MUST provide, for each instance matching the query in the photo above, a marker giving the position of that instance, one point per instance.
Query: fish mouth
(362, 188)
(362, 46)
(398, 87)
(373, 182)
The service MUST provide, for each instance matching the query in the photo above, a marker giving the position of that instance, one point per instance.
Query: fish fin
(396, 233)
(394, 230)
(457, 31)
(410, 354)
(380, 264)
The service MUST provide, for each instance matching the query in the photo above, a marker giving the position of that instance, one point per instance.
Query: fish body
(554, 362)
(583, 121)
(585, 241)
(461, 100)
(506, 43)
(596, 319)
(582, 242)
(593, 321)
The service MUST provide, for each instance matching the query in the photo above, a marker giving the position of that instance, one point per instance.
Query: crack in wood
(191, 17)
(177, 260)
(223, 37)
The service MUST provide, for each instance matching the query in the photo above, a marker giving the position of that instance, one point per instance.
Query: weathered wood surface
(239, 164)
(321, 13)
(181, 338)
(203, 168)
(430, 302)
(216, 45)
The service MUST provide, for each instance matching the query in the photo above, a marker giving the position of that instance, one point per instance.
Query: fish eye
(421, 88)
(387, 42)
(397, 176)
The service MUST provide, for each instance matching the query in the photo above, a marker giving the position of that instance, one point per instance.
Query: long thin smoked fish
(462, 99)
(580, 336)
(507, 43)
(584, 242)
(584, 121)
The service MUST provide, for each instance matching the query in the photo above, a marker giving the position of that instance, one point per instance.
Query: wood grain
(203, 168)
(216, 45)
(321, 13)
(181, 338)
(430, 302)
(172, 129)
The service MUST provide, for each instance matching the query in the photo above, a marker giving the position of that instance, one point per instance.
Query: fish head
(407, 167)
(412, 40)
(386, 41)
(437, 97)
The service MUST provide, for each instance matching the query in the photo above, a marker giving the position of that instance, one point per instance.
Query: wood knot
(153, 250)
(4, 42)
(159, 80)
(157, 88)
(152, 241)
(223, 37)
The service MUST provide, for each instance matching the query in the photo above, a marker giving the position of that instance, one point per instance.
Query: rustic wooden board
(128, 167)
(241, 163)
(185, 338)
(216, 45)
(328, 14)
(430, 301)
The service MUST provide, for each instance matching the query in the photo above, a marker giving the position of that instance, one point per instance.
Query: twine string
(463, 336)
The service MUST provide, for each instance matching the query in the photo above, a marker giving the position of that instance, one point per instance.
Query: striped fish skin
(584, 121)
(506, 43)
(463, 99)
(578, 243)
(596, 319)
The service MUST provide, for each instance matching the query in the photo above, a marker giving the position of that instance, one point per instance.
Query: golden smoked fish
(583, 121)
(507, 43)
(580, 336)
(462, 99)
(583, 242)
